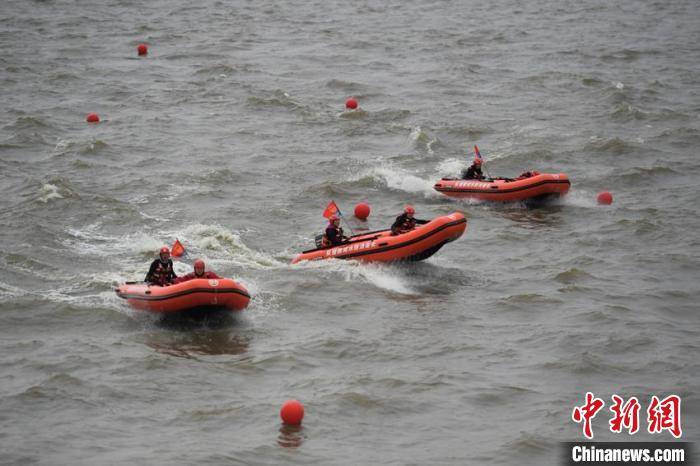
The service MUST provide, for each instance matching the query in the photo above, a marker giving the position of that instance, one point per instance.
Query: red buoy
(142, 49)
(362, 211)
(292, 412)
(93, 118)
(605, 198)
(351, 103)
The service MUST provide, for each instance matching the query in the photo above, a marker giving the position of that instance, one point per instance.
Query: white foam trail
(88, 241)
(402, 180)
(379, 275)
(113, 278)
(227, 244)
(205, 241)
(102, 299)
(579, 198)
(451, 167)
(219, 247)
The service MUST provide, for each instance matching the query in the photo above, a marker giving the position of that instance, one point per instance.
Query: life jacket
(162, 273)
(407, 225)
(473, 173)
(528, 174)
(326, 242)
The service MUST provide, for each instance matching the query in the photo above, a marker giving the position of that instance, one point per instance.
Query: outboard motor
(319, 240)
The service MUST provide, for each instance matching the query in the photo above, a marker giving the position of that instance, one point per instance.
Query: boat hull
(192, 294)
(505, 190)
(381, 246)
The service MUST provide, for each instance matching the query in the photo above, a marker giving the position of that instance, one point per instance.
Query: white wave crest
(227, 246)
(8, 291)
(49, 191)
(421, 138)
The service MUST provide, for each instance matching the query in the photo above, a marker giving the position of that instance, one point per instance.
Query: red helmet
(409, 209)
(333, 218)
(164, 250)
(477, 161)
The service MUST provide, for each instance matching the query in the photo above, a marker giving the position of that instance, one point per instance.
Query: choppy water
(231, 136)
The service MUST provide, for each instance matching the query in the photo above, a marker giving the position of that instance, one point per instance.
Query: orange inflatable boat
(381, 246)
(535, 187)
(198, 293)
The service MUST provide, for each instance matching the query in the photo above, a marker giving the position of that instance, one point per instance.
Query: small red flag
(331, 209)
(477, 154)
(178, 249)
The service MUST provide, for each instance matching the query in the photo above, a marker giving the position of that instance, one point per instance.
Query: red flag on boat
(477, 154)
(331, 209)
(178, 249)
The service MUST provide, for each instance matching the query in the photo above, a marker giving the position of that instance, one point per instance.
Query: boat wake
(383, 276)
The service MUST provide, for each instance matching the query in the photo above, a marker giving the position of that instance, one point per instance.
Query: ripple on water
(612, 146)
(231, 136)
(572, 276)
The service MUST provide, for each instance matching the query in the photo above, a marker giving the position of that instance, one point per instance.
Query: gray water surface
(231, 136)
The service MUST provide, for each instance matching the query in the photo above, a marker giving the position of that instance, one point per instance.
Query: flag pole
(477, 153)
(346, 222)
(487, 170)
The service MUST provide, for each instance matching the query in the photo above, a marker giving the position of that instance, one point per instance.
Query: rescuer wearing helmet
(334, 233)
(473, 172)
(199, 272)
(406, 222)
(161, 272)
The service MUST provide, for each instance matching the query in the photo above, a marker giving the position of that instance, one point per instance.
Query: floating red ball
(605, 198)
(362, 211)
(93, 118)
(351, 103)
(142, 49)
(292, 412)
